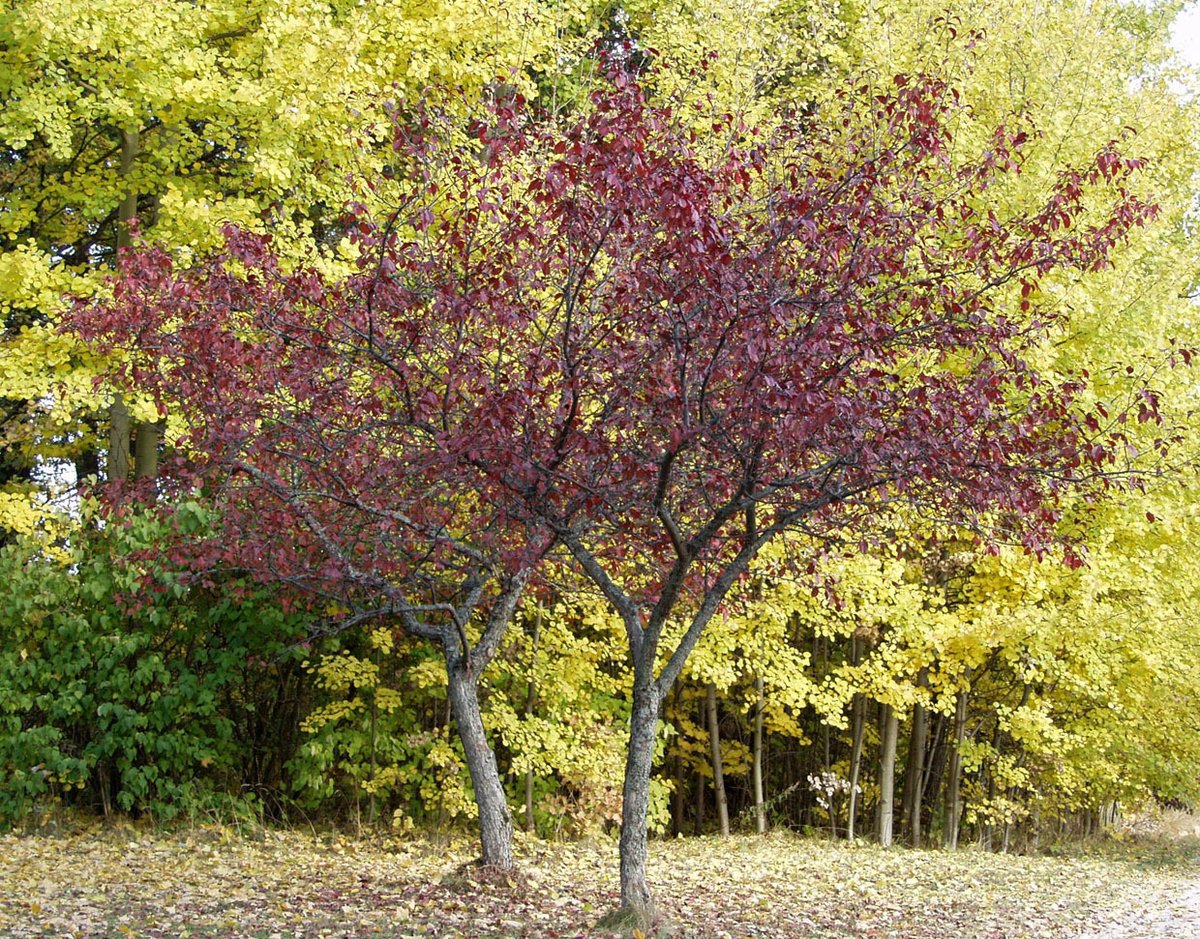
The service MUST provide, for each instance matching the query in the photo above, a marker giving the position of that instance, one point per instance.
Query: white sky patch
(1185, 34)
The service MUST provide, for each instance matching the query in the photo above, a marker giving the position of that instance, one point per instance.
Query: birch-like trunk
(887, 775)
(857, 732)
(856, 749)
(760, 813)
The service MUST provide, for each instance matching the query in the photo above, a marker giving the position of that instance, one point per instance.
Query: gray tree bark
(858, 729)
(887, 774)
(760, 814)
(495, 820)
(637, 904)
(145, 453)
(857, 732)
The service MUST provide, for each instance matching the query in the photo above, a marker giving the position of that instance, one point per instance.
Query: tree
(787, 339)
(191, 116)
(310, 432)
(591, 335)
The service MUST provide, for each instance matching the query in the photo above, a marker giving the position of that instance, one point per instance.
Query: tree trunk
(145, 456)
(678, 794)
(119, 426)
(637, 906)
(87, 461)
(714, 737)
(856, 748)
(760, 813)
(954, 773)
(122, 428)
(887, 774)
(374, 741)
(935, 769)
(914, 775)
(530, 700)
(495, 821)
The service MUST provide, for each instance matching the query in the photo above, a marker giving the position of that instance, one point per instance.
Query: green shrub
(123, 687)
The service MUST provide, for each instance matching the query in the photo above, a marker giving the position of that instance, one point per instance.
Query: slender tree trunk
(530, 700)
(87, 462)
(954, 773)
(856, 748)
(122, 437)
(637, 906)
(120, 425)
(678, 807)
(495, 821)
(989, 829)
(714, 737)
(374, 740)
(760, 813)
(127, 210)
(887, 774)
(913, 775)
(935, 769)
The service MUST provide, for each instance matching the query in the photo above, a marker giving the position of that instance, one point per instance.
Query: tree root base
(473, 874)
(637, 922)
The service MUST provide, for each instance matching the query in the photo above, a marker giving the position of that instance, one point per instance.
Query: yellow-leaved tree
(190, 116)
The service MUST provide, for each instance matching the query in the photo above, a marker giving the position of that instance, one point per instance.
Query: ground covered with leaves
(212, 882)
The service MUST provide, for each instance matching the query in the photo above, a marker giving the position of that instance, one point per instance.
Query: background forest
(927, 685)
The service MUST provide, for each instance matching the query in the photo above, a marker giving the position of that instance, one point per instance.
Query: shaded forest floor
(115, 882)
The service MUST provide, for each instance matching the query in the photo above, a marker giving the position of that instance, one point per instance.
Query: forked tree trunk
(495, 820)
(887, 774)
(714, 737)
(760, 814)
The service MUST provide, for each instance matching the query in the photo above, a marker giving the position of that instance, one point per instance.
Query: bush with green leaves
(124, 686)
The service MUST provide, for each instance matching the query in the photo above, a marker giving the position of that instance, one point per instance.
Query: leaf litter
(114, 882)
